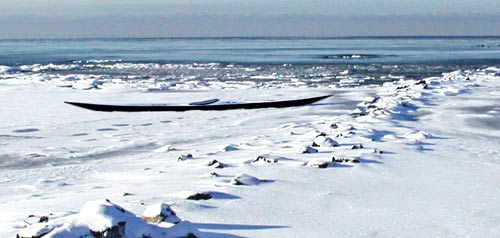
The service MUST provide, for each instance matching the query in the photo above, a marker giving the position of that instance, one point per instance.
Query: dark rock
(185, 157)
(321, 165)
(216, 164)
(402, 87)
(214, 174)
(344, 160)
(237, 182)
(36, 219)
(359, 114)
(43, 219)
(421, 82)
(357, 147)
(334, 126)
(117, 231)
(321, 134)
(200, 196)
(264, 158)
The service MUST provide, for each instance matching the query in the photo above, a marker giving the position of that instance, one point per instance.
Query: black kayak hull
(182, 108)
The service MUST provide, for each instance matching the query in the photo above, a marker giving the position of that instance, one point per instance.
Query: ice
(189, 76)
(9, 69)
(493, 71)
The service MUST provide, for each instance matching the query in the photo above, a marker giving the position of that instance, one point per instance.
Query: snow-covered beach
(411, 158)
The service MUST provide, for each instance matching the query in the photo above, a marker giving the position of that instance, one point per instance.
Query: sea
(348, 61)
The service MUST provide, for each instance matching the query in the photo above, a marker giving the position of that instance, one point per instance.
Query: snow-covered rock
(245, 179)
(103, 218)
(308, 150)
(159, 212)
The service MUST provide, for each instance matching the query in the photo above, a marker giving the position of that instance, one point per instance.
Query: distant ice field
(313, 61)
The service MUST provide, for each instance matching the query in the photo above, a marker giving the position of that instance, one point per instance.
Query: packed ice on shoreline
(175, 76)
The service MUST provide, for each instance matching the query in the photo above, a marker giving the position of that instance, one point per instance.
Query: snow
(409, 158)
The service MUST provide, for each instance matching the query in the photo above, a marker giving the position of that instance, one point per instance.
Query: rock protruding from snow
(185, 157)
(318, 164)
(309, 150)
(357, 146)
(265, 159)
(160, 212)
(323, 141)
(246, 180)
(200, 196)
(190, 195)
(216, 164)
(344, 160)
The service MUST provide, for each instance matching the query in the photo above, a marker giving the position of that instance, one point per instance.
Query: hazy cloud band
(16, 26)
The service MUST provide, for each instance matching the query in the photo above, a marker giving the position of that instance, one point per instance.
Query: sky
(221, 18)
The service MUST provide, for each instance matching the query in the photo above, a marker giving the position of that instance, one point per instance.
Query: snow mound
(164, 149)
(230, 147)
(418, 136)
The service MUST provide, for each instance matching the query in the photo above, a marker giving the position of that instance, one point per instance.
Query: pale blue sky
(171, 18)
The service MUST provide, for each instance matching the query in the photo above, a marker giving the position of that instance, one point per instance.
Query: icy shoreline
(409, 158)
(156, 77)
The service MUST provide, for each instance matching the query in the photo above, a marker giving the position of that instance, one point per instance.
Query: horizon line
(254, 37)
